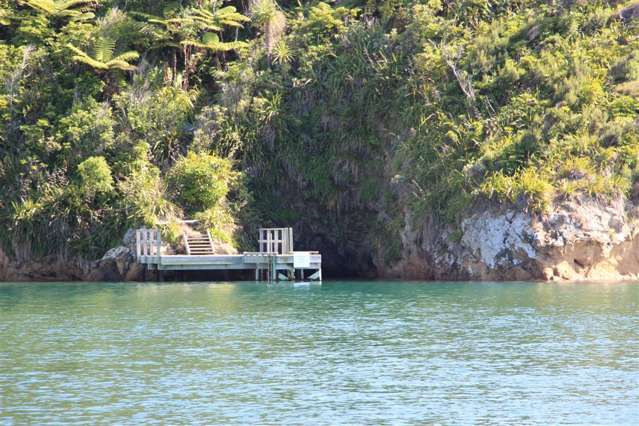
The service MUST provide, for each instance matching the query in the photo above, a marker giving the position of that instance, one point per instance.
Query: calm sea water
(341, 352)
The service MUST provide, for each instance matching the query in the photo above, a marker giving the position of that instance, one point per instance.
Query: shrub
(87, 130)
(200, 181)
(144, 193)
(95, 177)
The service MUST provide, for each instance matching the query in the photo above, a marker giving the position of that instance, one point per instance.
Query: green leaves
(75, 9)
(216, 20)
(103, 58)
(211, 41)
(95, 177)
(201, 181)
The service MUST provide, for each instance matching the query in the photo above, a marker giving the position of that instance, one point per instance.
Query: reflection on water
(341, 352)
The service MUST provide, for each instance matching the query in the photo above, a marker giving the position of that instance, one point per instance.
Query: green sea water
(335, 353)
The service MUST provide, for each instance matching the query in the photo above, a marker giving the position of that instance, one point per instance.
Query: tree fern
(102, 58)
(211, 41)
(217, 20)
(79, 9)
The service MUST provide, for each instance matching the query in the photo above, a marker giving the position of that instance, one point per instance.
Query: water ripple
(339, 353)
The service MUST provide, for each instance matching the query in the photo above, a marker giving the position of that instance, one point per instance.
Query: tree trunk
(174, 60)
(187, 64)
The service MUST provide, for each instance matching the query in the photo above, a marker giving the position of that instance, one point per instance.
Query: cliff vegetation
(343, 118)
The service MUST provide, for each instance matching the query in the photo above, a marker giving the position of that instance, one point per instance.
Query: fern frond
(120, 62)
(121, 65)
(104, 48)
(143, 16)
(129, 56)
(69, 4)
(46, 6)
(76, 50)
(86, 59)
(231, 12)
(215, 46)
(69, 8)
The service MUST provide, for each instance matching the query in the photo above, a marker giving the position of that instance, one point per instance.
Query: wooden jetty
(276, 260)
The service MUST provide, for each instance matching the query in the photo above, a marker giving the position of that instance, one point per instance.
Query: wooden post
(186, 244)
(273, 269)
(138, 251)
(290, 240)
(159, 246)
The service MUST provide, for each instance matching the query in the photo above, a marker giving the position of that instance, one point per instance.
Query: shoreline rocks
(582, 239)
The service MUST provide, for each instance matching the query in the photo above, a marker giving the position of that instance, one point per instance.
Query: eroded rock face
(117, 264)
(581, 239)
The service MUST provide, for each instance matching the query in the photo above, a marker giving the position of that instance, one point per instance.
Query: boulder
(117, 264)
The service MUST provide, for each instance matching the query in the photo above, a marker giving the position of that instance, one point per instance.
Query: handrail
(275, 240)
(148, 242)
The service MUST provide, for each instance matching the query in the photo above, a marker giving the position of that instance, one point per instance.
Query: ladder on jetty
(276, 260)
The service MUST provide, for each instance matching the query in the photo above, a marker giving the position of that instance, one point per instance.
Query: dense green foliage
(118, 113)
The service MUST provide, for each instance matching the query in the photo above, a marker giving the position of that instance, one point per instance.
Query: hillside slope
(388, 134)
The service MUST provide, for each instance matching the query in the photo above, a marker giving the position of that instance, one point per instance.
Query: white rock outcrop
(580, 239)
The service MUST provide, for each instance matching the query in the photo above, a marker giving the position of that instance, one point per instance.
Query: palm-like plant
(212, 42)
(267, 15)
(216, 20)
(103, 58)
(165, 31)
(77, 9)
(193, 30)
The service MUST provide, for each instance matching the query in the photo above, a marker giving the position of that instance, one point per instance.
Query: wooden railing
(148, 242)
(276, 240)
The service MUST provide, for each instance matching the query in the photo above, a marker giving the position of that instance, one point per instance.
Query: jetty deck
(276, 260)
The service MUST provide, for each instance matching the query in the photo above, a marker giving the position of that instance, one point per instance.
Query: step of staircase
(199, 244)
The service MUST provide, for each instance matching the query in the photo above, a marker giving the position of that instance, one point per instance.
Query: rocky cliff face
(580, 239)
(117, 264)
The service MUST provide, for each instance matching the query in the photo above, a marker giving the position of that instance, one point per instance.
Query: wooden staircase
(198, 244)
